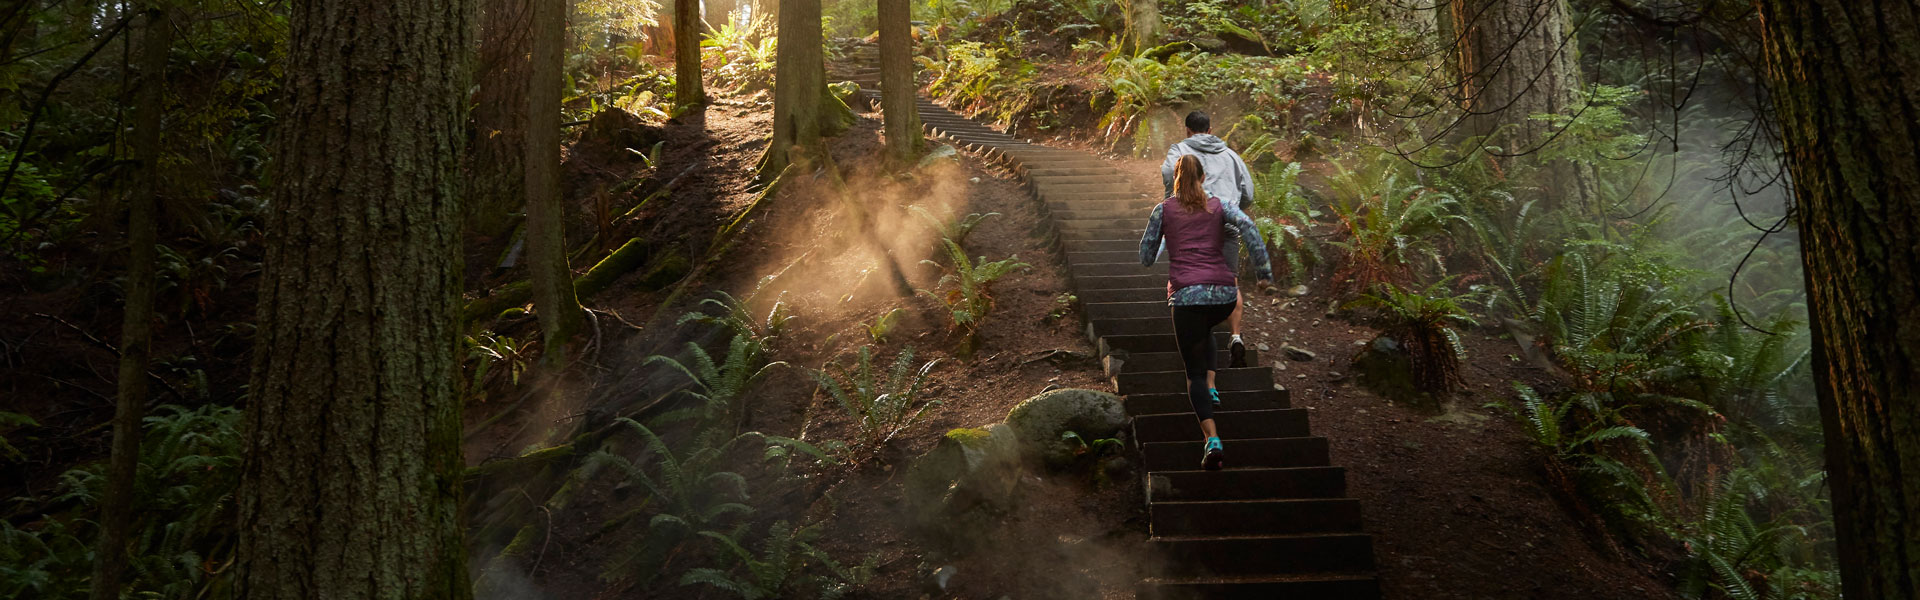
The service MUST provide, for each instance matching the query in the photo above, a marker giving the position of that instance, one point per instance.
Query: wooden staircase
(1277, 522)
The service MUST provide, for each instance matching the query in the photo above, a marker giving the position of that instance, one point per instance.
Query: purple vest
(1193, 241)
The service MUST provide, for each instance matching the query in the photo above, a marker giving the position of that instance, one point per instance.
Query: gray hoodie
(1227, 176)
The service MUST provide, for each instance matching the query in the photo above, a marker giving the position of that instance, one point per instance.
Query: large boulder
(959, 490)
(1039, 422)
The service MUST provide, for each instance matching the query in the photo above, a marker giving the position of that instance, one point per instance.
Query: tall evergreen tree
(1516, 59)
(799, 84)
(136, 330)
(350, 483)
(1843, 86)
(899, 110)
(496, 158)
(687, 90)
(553, 296)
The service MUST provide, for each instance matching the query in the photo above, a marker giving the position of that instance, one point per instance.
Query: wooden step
(1157, 404)
(1260, 555)
(1260, 453)
(1235, 483)
(1170, 361)
(1173, 382)
(1305, 586)
(1231, 425)
(1254, 517)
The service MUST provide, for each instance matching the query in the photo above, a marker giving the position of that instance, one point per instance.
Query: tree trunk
(496, 172)
(799, 85)
(351, 479)
(898, 106)
(1518, 58)
(1144, 21)
(687, 91)
(553, 298)
(136, 330)
(1852, 134)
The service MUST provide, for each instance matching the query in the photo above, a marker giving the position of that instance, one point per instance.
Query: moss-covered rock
(958, 490)
(1039, 421)
(666, 270)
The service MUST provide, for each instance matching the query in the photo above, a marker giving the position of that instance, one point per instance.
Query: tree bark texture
(553, 299)
(799, 84)
(687, 90)
(350, 484)
(899, 110)
(136, 330)
(1844, 75)
(496, 157)
(1144, 16)
(1518, 58)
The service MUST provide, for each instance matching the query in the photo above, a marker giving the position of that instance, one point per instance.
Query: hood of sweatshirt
(1206, 143)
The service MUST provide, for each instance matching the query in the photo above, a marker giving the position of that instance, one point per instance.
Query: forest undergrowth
(767, 355)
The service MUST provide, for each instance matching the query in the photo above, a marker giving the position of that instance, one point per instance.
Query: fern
(739, 316)
(690, 490)
(1389, 224)
(1425, 323)
(780, 568)
(965, 289)
(721, 388)
(880, 408)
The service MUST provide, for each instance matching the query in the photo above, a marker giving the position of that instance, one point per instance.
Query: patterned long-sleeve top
(1238, 226)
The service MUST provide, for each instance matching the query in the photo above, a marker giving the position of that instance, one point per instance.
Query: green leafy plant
(881, 404)
(745, 53)
(966, 295)
(1425, 323)
(183, 523)
(13, 421)
(1062, 306)
(690, 493)
(884, 325)
(780, 568)
(720, 387)
(1612, 331)
(739, 316)
(959, 229)
(1390, 225)
(1285, 218)
(493, 356)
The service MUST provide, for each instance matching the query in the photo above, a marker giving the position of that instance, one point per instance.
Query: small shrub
(1424, 323)
(965, 294)
(780, 569)
(880, 407)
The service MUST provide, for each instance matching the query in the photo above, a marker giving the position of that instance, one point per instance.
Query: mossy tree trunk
(1143, 17)
(496, 159)
(799, 85)
(1844, 96)
(900, 112)
(136, 330)
(1518, 58)
(687, 89)
(553, 297)
(350, 484)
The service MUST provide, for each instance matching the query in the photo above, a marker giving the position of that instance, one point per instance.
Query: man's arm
(1150, 241)
(1245, 177)
(1250, 239)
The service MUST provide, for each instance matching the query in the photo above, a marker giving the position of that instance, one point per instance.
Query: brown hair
(1187, 176)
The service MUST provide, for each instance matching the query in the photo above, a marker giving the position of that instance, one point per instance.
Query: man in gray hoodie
(1227, 178)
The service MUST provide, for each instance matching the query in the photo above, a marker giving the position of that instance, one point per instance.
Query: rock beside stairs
(1041, 420)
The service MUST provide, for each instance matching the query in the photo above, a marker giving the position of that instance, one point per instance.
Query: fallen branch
(103, 345)
(627, 258)
(721, 245)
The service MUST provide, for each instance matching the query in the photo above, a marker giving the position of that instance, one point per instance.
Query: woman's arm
(1150, 241)
(1250, 238)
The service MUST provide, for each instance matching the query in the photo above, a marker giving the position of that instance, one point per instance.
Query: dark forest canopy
(753, 298)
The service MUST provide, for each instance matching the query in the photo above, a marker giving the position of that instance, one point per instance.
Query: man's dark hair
(1197, 122)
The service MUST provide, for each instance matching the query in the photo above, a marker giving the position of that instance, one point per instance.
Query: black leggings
(1193, 331)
